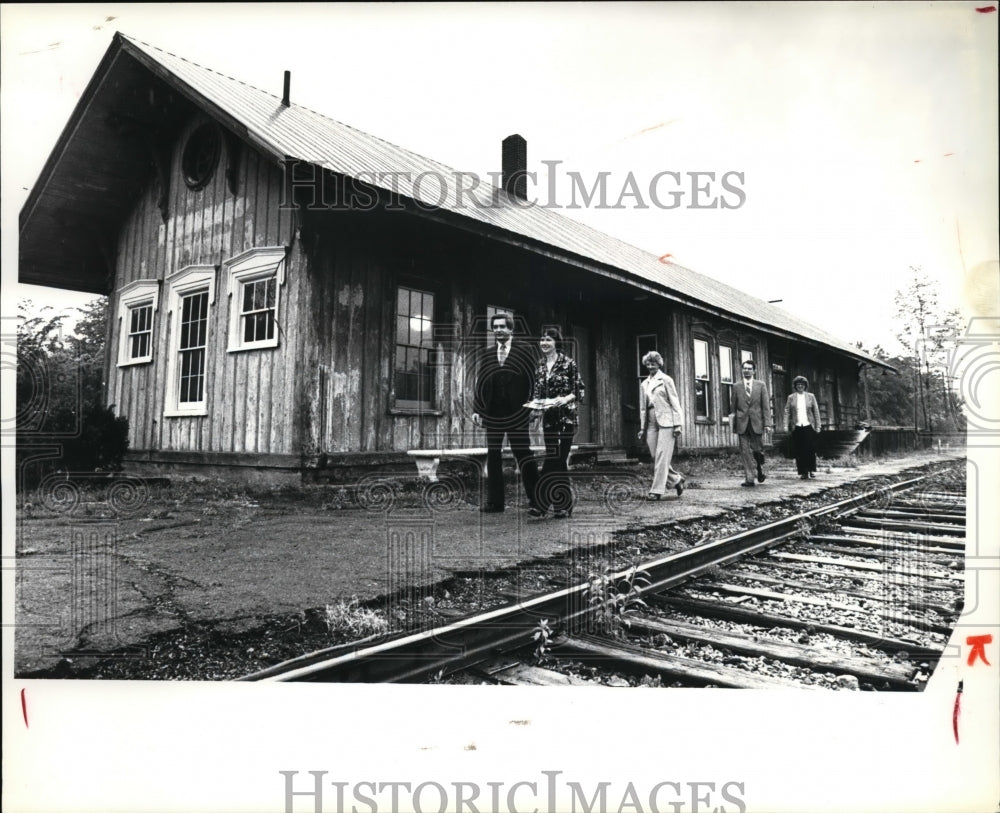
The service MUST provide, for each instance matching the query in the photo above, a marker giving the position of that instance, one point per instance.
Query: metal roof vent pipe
(514, 166)
(288, 87)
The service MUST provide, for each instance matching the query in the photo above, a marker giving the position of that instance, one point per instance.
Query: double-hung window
(255, 278)
(257, 310)
(726, 379)
(193, 346)
(702, 381)
(137, 303)
(413, 374)
(191, 296)
(140, 332)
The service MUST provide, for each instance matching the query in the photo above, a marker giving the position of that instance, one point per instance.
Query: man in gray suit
(751, 420)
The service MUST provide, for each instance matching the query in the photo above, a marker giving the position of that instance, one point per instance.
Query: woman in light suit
(660, 421)
(803, 420)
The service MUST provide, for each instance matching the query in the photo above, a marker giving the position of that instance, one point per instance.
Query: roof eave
(448, 217)
(86, 99)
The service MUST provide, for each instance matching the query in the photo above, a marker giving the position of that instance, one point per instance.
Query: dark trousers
(553, 485)
(804, 445)
(751, 452)
(521, 447)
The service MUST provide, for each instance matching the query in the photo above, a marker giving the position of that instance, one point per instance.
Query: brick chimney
(514, 166)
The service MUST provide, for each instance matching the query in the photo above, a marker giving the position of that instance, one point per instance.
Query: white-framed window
(727, 377)
(191, 294)
(137, 303)
(255, 278)
(702, 380)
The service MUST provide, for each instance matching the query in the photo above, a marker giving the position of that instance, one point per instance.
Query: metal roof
(300, 133)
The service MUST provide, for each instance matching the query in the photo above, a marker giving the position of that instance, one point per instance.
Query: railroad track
(861, 593)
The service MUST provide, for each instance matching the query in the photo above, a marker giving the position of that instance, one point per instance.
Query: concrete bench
(428, 460)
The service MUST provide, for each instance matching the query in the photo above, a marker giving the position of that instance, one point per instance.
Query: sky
(865, 135)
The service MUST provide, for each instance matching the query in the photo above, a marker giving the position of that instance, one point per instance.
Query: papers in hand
(541, 403)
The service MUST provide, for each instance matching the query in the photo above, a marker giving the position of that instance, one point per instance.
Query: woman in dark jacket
(558, 390)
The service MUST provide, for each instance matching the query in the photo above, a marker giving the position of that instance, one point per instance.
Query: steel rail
(463, 643)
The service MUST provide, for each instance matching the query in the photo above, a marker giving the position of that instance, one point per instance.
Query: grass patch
(348, 618)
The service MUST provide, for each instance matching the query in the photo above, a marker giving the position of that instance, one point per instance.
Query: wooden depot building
(285, 296)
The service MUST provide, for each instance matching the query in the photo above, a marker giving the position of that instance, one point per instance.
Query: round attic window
(201, 154)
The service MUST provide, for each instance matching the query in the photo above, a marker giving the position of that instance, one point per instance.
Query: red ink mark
(24, 708)
(986, 9)
(664, 260)
(657, 126)
(650, 129)
(978, 644)
(916, 160)
(947, 154)
(957, 710)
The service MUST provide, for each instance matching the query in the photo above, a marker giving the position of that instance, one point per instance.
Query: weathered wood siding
(606, 396)
(850, 393)
(688, 324)
(251, 395)
(357, 262)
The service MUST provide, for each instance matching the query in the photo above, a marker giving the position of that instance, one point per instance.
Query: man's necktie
(503, 353)
(749, 387)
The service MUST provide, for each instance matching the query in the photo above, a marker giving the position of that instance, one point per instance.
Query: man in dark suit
(751, 420)
(504, 384)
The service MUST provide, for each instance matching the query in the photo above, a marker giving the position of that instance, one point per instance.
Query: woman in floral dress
(558, 390)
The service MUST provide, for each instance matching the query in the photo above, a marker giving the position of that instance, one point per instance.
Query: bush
(60, 397)
(97, 442)
(101, 444)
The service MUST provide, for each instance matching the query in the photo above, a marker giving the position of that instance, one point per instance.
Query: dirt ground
(197, 579)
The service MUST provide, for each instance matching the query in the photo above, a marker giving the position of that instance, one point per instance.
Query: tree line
(923, 394)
